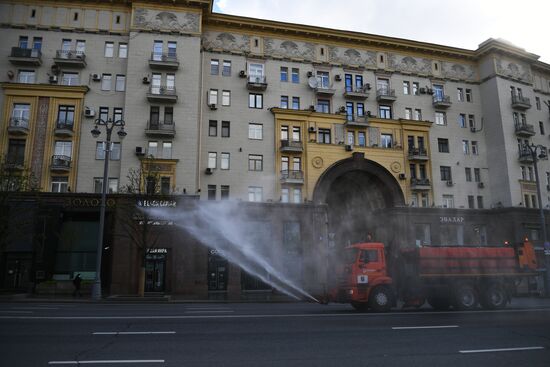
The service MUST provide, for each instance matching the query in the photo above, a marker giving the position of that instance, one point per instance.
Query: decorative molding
(514, 70)
(289, 49)
(184, 22)
(226, 41)
(409, 64)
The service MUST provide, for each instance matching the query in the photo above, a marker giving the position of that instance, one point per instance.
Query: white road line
(132, 332)
(210, 311)
(109, 361)
(424, 327)
(499, 350)
(35, 308)
(206, 308)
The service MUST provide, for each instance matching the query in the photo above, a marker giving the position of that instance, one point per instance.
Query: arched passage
(353, 189)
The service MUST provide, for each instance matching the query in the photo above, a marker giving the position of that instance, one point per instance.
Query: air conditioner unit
(312, 108)
(367, 86)
(402, 176)
(338, 77)
(89, 112)
(242, 74)
(480, 185)
(208, 171)
(146, 80)
(369, 114)
(422, 90)
(140, 151)
(449, 183)
(473, 129)
(53, 78)
(430, 91)
(212, 106)
(312, 129)
(349, 148)
(96, 77)
(309, 74)
(342, 109)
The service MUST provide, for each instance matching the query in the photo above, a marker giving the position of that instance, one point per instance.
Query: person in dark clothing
(76, 282)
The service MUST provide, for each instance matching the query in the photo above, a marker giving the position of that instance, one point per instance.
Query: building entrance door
(155, 270)
(17, 274)
(217, 272)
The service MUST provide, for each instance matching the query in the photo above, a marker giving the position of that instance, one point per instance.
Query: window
(323, 105)
(323, 79)
(422, 234)
(296, 103)
(386, 140)
(65, 116)
(284, 102)
(255, 131)
(120, 84)
(114, 152)
(111, 189)
(213, 96)
(106, 82)
(65, 46)
(440, 118)
(480, 202)
(60, 184)
(226, 68)
(75, 16)
(80, 47)
(172, 49)
(255, 100)
(104, 113)
(26, 76)
(468, 172)
(213, 128)
(224, 161)
(214, 67)
(285, 195)
(462, 120)
(471, 122)
(384, 112)
(541, 127)
(406, 87)
(168, 115)
(297, 195)
(445, 173)
(296, 133)
(211, 192)
(16, 152)
(351, 138)
(523, 173)
(471, 202)
(417, 114)
(475, 148)
(63, 148)
(465, 147)
(224, 191)
(531, 176)
(167, 150)
(448, 201)
(152, 149)
(284, 74)
(212, 159)
(361, 138)
(225, 129)
(117, 113)
(469, 97)
(70, 79)
(20, 114)
(157, 50)
(284, 132)
(165, 185)
(295, 75)
(408, 113)
(255, 162)
(23, 42)
(383, 86)
(537, 103)
(443, 145)
(477, 175)
(324, 136)
(37, 43)
(109, 49)
(255, 193)
(226, 98)
(284, 164)
(33, 13)
(460, 94)
(416, 88)
(360, 109)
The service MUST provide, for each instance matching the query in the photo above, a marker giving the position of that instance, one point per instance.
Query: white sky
(457, 23)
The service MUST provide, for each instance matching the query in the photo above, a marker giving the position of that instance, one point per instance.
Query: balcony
(18, 126)
(323, 88)
(525, 156)
(291, 146)
(159, 128)
(14, 163)
(360, 93)
(165, 61)
(162, 93)
(418, 154)
(385, 95)
(292, 177)
(524, 130)
(64, 128)
(357, 121)
(520, 102)
(420, 184)
(70, 58)
(441, 101)
(256, 82)
(25, 56)
(61, 163)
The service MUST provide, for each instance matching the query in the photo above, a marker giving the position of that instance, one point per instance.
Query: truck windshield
(349, 255)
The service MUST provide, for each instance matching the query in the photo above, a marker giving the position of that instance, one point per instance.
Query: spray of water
(223, 226)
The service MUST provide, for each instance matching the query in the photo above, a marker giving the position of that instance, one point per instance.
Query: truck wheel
(360, 306)
(464, 297)
(381, 299)
(439, 303)
(494, 297)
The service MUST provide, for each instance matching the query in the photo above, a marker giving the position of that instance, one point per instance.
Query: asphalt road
(289, 334)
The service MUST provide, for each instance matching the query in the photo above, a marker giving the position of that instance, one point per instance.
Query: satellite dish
(312, 82)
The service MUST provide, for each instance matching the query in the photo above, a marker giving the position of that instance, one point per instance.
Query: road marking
(16, 311)
(35, 308)
(260, 316)
(206, 308)
(109, 361)
(499, 350)
(211, 311)
(424, 327)
(132, 332)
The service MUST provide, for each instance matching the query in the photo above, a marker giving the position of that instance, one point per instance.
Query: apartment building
(428, 138)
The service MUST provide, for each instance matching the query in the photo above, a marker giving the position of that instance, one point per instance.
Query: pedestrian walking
(76, 282)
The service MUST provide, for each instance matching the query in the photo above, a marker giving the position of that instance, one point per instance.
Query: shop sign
(214, 251)
(157, 203)
(451, 219)
(158, 251)
(89, 202)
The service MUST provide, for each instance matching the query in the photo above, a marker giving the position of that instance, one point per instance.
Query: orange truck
(461, 277)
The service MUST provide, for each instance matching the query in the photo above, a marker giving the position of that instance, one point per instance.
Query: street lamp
(541, 150)
(109, 125)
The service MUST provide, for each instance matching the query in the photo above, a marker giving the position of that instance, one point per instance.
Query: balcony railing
(418, 154)
(25, 56)
(385, 94)
(15, 163)
(160, 128)
(291, 146)
(441, 101)
(292, 176)
(523, 129)
(70, 58)
(164, 61)
(162, 93)
(356, 92)
(61, 163)
(420, 184)
(256, 82)
(520, 102)
(18, 125)
(356, 120)
(324, 87)
(64, 128)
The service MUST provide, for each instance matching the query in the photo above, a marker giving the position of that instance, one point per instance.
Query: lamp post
(541, 150)
(109, 125)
